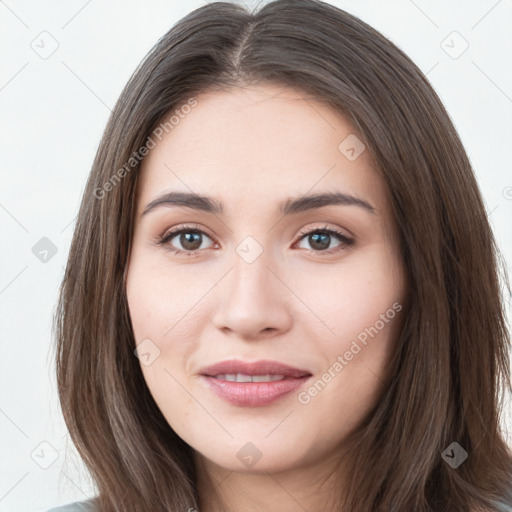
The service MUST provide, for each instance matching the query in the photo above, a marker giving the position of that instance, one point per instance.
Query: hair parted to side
(451, 363)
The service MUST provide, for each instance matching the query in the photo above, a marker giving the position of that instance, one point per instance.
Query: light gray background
(53, 111)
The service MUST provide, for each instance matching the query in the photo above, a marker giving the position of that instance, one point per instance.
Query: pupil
(188, 240)
(321, 239)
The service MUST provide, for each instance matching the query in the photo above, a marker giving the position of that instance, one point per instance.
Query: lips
(252, 384)
(256, 368)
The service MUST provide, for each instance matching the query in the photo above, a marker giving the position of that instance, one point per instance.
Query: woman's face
(310, 290)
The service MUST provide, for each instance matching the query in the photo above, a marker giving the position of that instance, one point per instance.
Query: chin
(257, 457)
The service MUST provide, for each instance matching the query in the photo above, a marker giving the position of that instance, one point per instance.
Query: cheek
(164, 323)
(170, 309)
(360, 306)
(351, 299)
(163, 304)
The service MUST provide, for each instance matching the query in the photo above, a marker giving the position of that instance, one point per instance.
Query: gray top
(78, 506)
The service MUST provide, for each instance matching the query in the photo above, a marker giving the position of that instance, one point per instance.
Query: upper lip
(255, 368)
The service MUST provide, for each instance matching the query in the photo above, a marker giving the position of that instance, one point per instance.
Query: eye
(189, 240)
(321, 238)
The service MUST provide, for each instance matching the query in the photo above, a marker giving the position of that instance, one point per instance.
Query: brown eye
(320, 241)
(184, 240)
(190, 241)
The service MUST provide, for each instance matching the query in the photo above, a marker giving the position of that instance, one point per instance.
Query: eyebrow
(288, 207)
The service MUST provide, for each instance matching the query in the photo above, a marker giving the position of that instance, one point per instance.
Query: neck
(312, 488)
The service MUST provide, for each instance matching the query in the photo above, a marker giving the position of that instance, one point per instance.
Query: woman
(283, 291)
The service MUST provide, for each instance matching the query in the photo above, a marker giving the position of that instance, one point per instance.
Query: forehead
(264, 141)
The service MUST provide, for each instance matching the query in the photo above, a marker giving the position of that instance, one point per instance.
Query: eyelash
(346, 242)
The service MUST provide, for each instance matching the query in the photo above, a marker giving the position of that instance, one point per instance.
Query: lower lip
(253, 394)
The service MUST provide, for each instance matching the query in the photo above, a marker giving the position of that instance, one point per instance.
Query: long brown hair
(450, 369)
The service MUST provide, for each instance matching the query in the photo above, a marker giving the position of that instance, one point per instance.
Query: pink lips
(253, 394)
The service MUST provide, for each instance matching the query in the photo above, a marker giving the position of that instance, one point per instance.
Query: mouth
(253, 384)
(240, 377)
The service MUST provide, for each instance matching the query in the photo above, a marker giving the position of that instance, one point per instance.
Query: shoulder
(78, 506)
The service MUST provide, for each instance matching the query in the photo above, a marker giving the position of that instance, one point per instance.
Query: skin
(251, 148)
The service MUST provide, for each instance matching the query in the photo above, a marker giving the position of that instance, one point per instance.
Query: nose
(254, 302)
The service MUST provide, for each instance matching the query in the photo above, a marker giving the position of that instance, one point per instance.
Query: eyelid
(182, 227)
(325, 228)
(345, 240)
